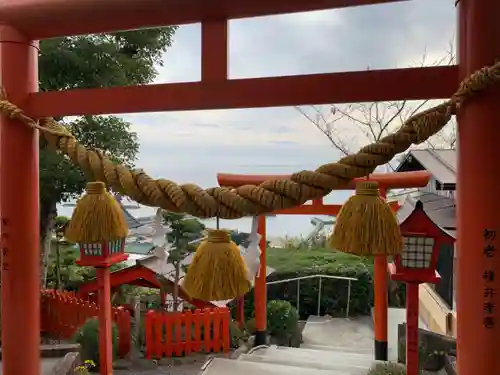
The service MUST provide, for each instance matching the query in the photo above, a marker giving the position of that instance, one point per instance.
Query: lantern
(102, 254)
(417, 262)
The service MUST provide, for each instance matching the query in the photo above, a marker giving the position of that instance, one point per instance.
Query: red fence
(187, 332)
(62, 314)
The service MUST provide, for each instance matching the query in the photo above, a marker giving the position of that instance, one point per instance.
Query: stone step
(222, 366)
(314, 353)
(298, 355)
(342, 349)
(340, 366)
(341, 332)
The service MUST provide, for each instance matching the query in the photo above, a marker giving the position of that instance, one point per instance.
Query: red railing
(62, 313)
(182, 333)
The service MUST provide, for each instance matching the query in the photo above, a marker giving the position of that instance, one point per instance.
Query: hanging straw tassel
(366, 224)
(218, 271)
(97, 217)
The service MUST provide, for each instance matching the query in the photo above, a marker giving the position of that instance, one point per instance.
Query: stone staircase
(331, 347)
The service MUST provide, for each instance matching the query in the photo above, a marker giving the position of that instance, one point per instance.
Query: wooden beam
(42, 19)
(398, 180)
(346, 87)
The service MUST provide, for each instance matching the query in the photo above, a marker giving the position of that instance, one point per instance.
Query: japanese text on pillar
(489, 292)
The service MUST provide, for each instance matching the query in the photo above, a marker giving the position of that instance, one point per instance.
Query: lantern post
(99, 228)
(102, 256)
(415, 265)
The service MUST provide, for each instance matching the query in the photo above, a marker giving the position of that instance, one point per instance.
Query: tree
(119, 59)
(349, 127)
(183, 230)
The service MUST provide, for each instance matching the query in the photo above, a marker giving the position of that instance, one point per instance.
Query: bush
(388, 368)
(237, 334)
(282, 319)
(88, 338)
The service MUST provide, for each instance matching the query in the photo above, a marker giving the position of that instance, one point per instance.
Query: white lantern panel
(417, 252)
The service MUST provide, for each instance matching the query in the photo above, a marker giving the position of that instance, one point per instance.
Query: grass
(291, 259)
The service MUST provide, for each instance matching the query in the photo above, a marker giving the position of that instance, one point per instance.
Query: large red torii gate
(22, 22)
(387, 181)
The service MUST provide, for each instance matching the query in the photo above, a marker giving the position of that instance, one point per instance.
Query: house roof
(440, 209)
(442, 164)
(132, 222)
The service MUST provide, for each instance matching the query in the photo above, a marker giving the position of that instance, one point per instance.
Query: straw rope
(271, 195)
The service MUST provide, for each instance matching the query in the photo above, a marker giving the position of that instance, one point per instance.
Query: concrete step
(342, 367)
(314, 353)
(221, 366)
(296, 356)
(356, 333)
(342, 349)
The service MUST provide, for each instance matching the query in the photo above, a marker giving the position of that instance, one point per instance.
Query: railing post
(298, 298)
(319, 295)
(348, 299)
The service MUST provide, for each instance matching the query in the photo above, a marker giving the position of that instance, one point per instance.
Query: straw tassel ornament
(366, 224)
(98, 217)
(218, 271)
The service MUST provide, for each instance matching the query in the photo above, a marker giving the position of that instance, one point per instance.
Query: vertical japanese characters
(4, 235)
(489, 292)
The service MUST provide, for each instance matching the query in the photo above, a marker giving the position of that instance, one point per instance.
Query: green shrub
(282, 319)
(387, 368)
(88, 338)
(237, 334)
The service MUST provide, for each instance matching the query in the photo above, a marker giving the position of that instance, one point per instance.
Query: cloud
(194, 146)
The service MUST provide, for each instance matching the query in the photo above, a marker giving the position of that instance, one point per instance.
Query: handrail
(311, 277)
(320, 276)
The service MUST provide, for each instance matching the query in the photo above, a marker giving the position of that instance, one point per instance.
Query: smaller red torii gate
(136, 275)
(387, 181)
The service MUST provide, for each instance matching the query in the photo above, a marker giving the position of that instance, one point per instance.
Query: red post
(19, 211)
(381, 303)
(478, 242)
(240, 311)
(260, 289)
(105, 321)
(412, 352)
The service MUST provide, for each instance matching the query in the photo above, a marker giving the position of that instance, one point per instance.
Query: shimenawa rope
(271, 195)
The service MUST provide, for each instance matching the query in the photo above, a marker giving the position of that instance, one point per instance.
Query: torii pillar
(478, 208)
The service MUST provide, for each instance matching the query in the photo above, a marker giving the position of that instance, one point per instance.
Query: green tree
(183, 230)
(119, 59)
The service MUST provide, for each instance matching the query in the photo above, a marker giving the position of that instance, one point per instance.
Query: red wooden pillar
(381, 305)
(478, 206)
(240, 311)
(260, 289)
(19, 211)
(412, 315)
(105, 321)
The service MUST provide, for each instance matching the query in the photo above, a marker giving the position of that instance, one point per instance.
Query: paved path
(46, 365)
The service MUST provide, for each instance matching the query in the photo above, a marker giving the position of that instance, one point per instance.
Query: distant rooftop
(441, 164)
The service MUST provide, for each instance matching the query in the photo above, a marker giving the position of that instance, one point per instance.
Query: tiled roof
(441, 210)
(132, 222)
(441, 164)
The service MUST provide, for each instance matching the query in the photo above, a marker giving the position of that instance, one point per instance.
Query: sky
(194, 146)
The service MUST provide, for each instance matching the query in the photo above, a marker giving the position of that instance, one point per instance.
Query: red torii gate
(387, 181)
(22, 22)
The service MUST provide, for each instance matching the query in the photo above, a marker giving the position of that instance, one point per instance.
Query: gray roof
(441, 164)
(132, 222)
(441, 210)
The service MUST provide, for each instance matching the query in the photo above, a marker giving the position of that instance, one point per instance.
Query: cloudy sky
(194, 146)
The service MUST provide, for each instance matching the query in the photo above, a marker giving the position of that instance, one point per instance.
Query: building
(437, 302)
